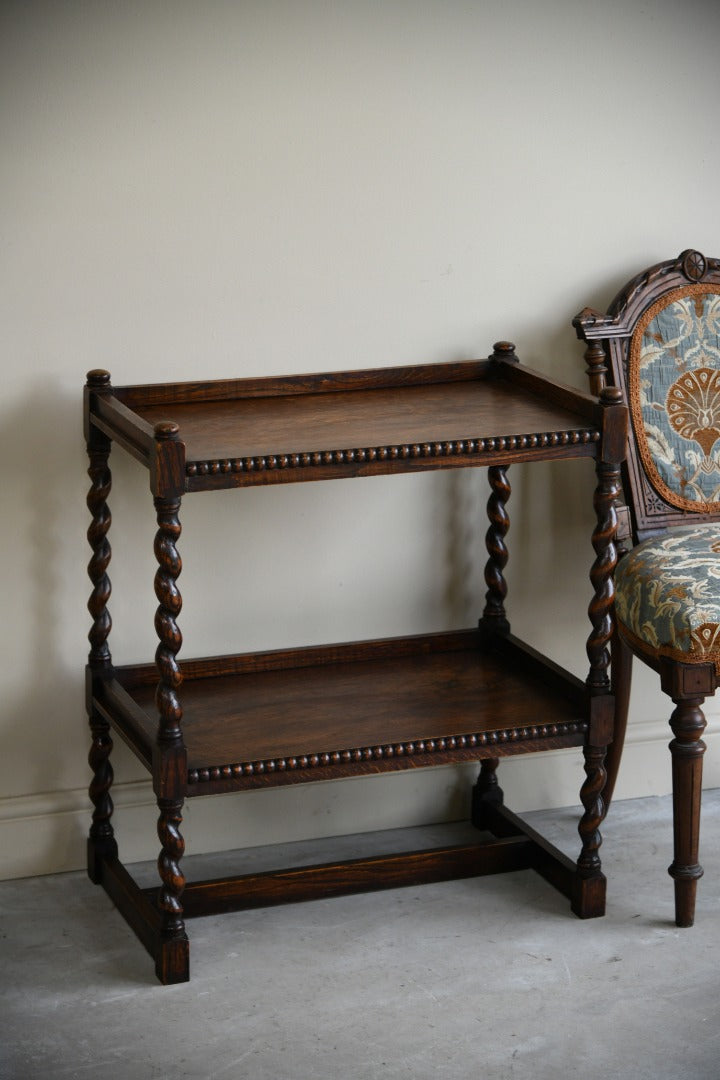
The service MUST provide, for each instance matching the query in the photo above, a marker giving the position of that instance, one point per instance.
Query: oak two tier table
(238, 722)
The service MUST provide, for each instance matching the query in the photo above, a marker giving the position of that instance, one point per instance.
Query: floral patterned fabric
(668, 593)
(675, 397)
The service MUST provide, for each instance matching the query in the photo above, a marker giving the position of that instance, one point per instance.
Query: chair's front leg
(687, 749)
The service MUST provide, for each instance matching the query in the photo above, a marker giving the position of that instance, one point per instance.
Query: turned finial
(98, 379)
(504, 350)
(166, 429)
(611, 395)
(596, 366)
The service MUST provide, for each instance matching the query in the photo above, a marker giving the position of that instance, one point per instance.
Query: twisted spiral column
(172, 849)
(494, 614)
(100, 484)
(170, 765)
(589, 890)
(101, 829)
(588, 863)
(166, 627)
(101, 836)
(601, 576)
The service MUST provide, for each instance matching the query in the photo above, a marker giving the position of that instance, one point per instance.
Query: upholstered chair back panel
(674, 397)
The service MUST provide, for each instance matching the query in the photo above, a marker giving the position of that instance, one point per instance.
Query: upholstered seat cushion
(668, 594)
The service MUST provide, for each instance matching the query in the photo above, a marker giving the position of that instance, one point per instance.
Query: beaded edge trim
(409, 451)
(358, 755)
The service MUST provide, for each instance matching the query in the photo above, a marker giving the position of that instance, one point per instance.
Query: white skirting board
(45, 833)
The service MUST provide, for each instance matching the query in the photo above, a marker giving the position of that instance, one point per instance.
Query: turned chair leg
(687, 749)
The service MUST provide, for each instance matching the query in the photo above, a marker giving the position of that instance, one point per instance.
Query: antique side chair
(661, 336)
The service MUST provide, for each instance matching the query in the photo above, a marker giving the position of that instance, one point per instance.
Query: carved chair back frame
(686, 290)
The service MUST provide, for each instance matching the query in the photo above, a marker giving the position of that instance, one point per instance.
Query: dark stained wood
(494, 616)
(114, 419)
(535, 384)
(687, 749)
(588, 864)
(218, 724)
(487, 795)
(101, 839)
(317, 383)
(242, 432)
(358, 875)
(621, 670)
(601, 609)
(143, 916)
(556, 867)
(328, 422)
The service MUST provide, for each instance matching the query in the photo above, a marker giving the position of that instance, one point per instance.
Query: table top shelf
(277, 430)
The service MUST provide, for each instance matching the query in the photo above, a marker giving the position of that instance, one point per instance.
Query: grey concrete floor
(489, 979)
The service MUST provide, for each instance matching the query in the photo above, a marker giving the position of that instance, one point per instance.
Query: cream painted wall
(228, 189)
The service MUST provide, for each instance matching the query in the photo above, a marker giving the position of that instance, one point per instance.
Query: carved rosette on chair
(660, 345)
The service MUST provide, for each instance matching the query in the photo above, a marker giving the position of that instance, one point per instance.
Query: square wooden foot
(588, 896)
(172, 960)
(99, 852)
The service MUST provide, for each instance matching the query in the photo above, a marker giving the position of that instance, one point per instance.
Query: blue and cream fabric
(674, 383)
(668, 593)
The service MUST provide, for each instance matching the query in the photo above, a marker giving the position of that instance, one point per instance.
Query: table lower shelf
(339, 711)
(505, 844)
(334, 711)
